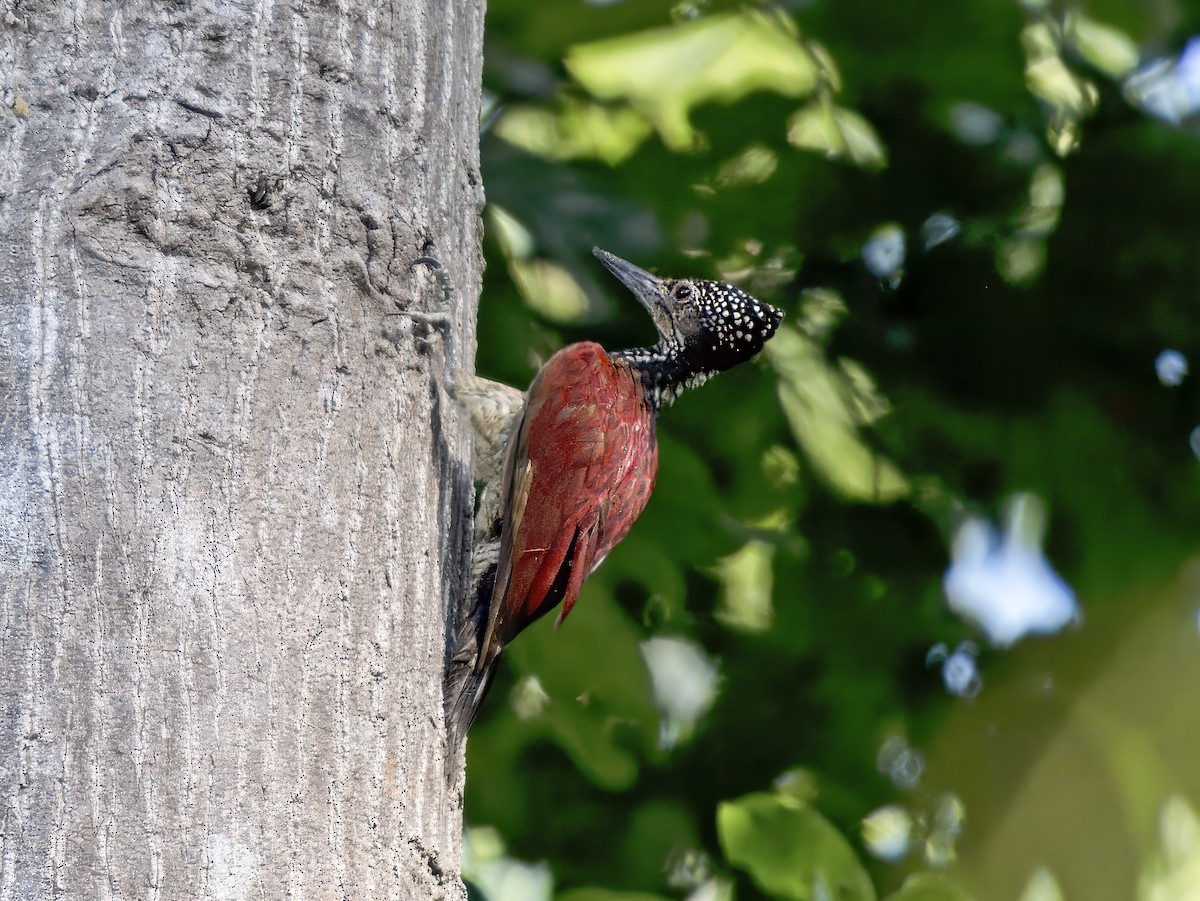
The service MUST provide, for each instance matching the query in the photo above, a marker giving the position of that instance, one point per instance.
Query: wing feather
(579, 470)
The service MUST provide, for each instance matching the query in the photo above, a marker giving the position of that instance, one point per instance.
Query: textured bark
(234, 498)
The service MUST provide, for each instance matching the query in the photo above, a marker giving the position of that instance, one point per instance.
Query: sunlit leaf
(1046, 194)
(790, 850)
(1019, 260)
(1063, 134)
(821, 409)
(746, 582)
(1108, 49)
(715, 889)
(821, 310)
(1140, 774)
(869, 403)
(1040, 39)
(549, 289)
(1174, 872)
(604, 894)
(752, 166)
(813, 128)
(830, 75)
(1042, 886)
(546, 286)
(528, 699)
(1051, 80)
(836, 133)
(514, 238)
(780, 466)
(667, 72)
(863, 145)
(576, 130)
(1180, 829)
(1021, 257)
(929, 887)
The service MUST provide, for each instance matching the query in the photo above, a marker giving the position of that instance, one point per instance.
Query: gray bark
(234, 497)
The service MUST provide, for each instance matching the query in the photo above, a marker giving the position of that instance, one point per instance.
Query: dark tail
(467, 682)
(472, 664)
(470, 673)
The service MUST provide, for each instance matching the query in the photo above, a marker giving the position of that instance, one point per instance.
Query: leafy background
(981, 219)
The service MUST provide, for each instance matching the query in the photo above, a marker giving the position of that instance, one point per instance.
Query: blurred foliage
(790, 849)
(982, 241)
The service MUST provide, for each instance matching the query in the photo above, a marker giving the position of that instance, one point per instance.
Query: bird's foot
(443, 276)
(441, 320)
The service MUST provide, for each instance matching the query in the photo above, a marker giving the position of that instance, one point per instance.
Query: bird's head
(713, 326)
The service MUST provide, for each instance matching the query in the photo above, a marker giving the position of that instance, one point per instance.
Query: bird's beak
(644, 286)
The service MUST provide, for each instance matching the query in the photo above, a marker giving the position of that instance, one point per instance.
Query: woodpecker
(581, 459)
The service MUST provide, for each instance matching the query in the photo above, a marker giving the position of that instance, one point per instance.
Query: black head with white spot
(716, 324)
(706, 326)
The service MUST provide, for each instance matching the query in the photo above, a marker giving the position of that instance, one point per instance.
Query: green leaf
(666, 72)
(1050, 79)
(549, 289)
(790, 850)
(593, 672)
(576, 130)
(1042, 886)
(752, 166)
(1108, 49)
(929, 887)
(545, 286)
(823, 411)
(837, 133)
(746, 581)
(604, 894)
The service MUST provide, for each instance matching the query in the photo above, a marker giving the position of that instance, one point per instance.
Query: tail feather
(468, 679)
(467, 684)
(472, 665)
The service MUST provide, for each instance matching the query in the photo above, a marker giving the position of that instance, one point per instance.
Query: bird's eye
(683, 292)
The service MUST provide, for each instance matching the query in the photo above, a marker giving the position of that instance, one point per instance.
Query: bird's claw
(442, 320)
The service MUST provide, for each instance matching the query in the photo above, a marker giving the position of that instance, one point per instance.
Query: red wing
(580, 469)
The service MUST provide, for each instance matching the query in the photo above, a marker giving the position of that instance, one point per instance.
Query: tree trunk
(235, 497)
